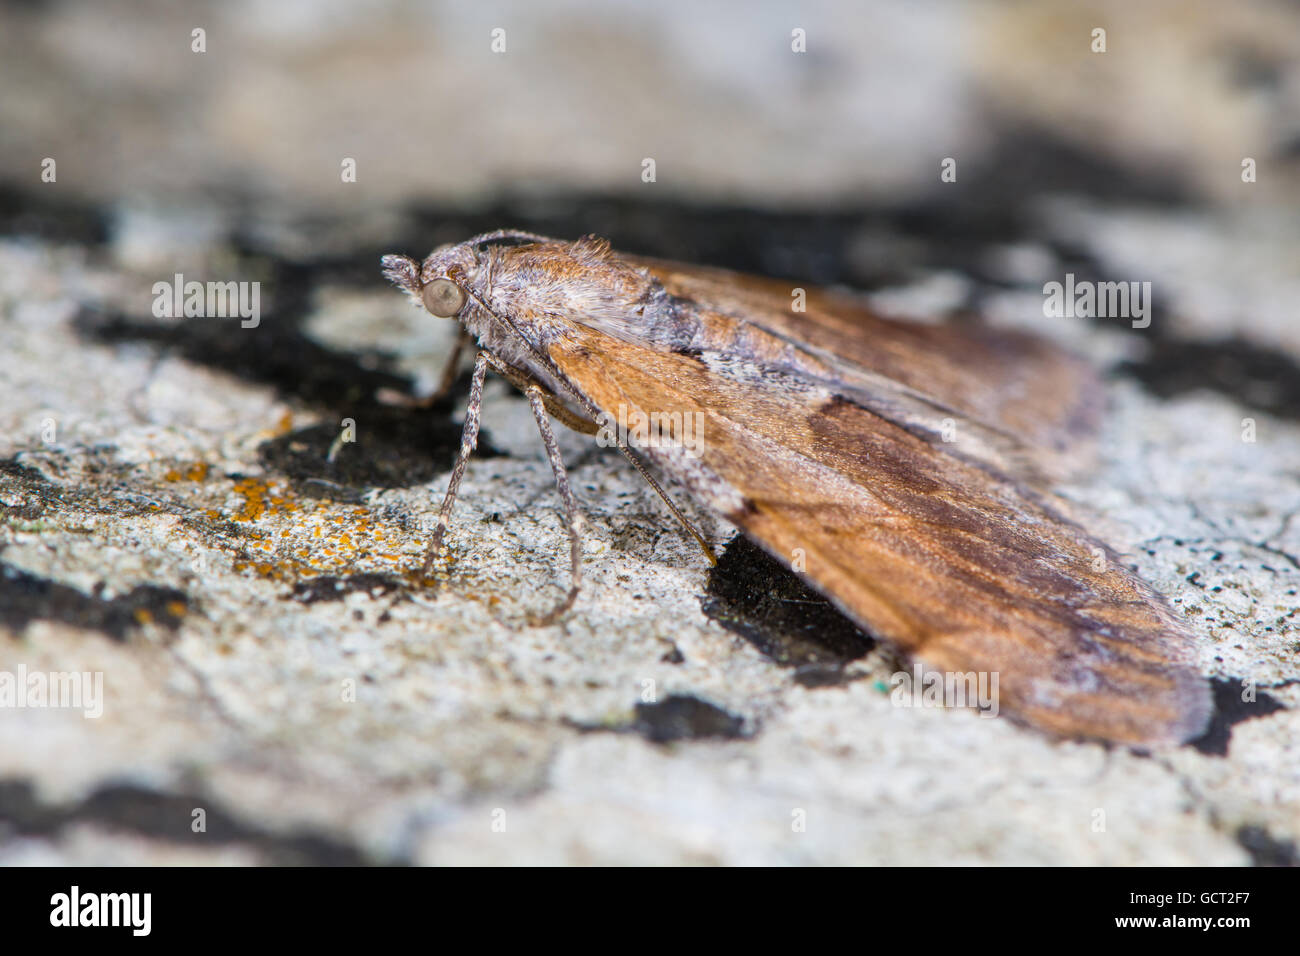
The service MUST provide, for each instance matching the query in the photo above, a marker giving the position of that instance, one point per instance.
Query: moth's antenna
(594, 412)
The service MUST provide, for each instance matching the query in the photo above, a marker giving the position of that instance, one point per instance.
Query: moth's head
(445, 282)
(440, 283)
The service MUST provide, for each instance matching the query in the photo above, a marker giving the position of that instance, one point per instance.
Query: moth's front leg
(537, 400)
(468, 439)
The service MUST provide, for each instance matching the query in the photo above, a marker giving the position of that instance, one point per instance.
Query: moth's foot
(557, 612)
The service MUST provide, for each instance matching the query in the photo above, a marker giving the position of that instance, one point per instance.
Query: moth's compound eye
(443, 298)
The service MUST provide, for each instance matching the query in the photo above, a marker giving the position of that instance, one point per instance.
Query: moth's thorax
(558, 283)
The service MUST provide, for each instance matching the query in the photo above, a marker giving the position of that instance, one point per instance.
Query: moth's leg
(388, 396)
(686, 523)
(451, 368)
(468, 439)
(523, 381)
(567, 417)
(572, 516)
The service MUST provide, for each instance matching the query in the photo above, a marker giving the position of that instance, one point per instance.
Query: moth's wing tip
(1197, 710)
(1178, 715)
(1188, 698)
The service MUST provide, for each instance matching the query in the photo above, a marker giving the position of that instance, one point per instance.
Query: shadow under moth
(908, 465)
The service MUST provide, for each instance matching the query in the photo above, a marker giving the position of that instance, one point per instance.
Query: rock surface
(275, 667)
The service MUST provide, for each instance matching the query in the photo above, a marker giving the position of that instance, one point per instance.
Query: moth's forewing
(943, 554)
(1039, 404)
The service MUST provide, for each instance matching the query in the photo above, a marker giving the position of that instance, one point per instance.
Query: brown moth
(822, 433)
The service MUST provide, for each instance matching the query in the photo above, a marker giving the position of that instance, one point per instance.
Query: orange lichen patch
(288, 539)
(259, 501)
(198, 471)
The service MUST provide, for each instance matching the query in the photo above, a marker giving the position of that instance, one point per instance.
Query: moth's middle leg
(542, 403)
(572, 514)
(586, 426)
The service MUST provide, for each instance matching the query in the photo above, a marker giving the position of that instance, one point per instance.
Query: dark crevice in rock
(1031, 160)
(34, 488)
(25, 597)
(750, 593)
(24, 474)
(676, 717)
(674, 656)
(170, 818)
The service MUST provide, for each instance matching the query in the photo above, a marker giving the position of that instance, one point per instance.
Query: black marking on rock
(34, 488)
(33, 212)
(169, 818)
(394, 447)
(1265, 849)
(1262, 378)
(330, 588)
(384, 455)
(25, 474)
(682, 717)
(752, 594)
(820, 675)
(25, 597)
(1230, 709)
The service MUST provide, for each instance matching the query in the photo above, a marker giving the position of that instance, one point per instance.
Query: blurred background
(571, 96)
(800, 139)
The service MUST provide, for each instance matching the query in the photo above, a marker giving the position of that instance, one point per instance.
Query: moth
(904, 468)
